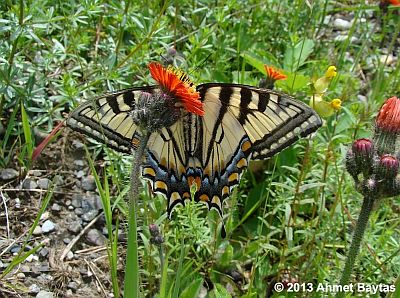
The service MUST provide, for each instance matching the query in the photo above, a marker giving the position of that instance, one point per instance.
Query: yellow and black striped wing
(240, 122)
(108, 118)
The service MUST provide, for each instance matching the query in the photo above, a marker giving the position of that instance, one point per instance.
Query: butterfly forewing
(108, 119)
(271, 120)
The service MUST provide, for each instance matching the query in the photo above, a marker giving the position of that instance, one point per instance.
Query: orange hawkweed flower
(394, 2)
(388, 118)
(274, 74)
(177, 85)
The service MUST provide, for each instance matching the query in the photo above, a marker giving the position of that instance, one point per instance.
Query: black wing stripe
(245, 99)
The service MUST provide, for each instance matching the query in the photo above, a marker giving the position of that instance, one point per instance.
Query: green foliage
(295, 211)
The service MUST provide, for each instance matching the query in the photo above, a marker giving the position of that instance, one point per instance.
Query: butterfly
(210, 151)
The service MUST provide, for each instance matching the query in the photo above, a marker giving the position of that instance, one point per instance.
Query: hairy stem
(132, 258)
(361, 225)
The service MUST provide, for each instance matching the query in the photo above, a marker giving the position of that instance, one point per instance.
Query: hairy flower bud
(363, 150)
(155, 111)
(388, 166)
(154, 230)
(157, 240)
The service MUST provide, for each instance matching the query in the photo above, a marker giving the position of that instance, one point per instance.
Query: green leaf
(296, 55)
(254, 61)
(294, 83)
(27, 131)
(193, 289)
(226, 257)
(219, 291)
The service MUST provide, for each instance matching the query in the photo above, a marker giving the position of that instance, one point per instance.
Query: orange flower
(388, 118)
(394, 2)
(274, 74)
(176, 84)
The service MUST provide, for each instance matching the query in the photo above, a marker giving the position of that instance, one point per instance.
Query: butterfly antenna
(201, 64)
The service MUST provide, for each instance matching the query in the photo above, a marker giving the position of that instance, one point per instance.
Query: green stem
(356, 241)
(132, 257)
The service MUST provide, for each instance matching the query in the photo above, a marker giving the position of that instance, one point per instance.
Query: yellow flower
(331, 72)
(321, 85)
(324, 108)
(336, 104)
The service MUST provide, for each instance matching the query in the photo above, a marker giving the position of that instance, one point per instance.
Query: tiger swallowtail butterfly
(240, 123)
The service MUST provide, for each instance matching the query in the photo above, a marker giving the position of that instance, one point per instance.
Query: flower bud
(157, 240)
(388, 166)
(351, 165)
(363, 150)
(154, 230)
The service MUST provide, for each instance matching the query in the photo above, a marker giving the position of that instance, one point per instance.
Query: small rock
(95, 237)
(17, 203)
(77, 201)
(66, 240)
(29, 184)
(35, 173)
(34, 289)
(43, 183)
(67, 202)
(69, 256)
(122, 235)
(8, 174)
(79, 174)
(37, 231)
(353, 39)
(388, 59)
(24, 268)
(48, 226)
(92, 202)
(90, 215)
(44, 294)
(341, 24)
(56, 207)
(79, 163)
(59, 180)
(20, 275)
(88, 183)
(73, 286)
(43, 252)
(15, 249)
(45, 215)
(77, 145)
(74, 227)
(29, 258)
(78, 211)
(362, 98)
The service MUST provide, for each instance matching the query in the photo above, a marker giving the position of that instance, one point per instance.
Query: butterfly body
(240, 123)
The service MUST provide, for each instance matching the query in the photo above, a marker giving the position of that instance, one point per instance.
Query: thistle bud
(363, 150)
(388, 166)
(154, 230)
(157, 240)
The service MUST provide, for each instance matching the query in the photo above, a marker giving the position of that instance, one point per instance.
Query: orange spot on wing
(204, 198)
(149, 171)
(234, 177)
(246, 146)
(160, 185)
(242, 163)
